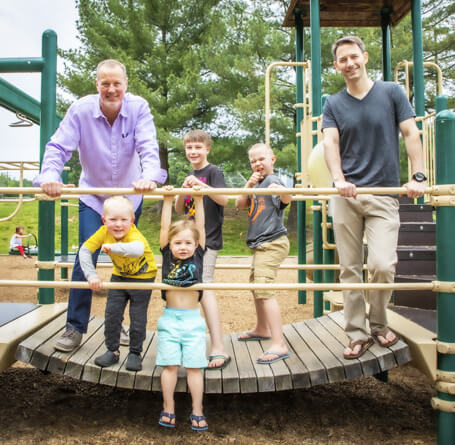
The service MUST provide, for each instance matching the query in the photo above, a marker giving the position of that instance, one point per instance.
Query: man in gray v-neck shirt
(361, 125)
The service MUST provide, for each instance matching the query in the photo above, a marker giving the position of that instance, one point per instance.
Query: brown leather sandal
(364, 346)
(383, 333)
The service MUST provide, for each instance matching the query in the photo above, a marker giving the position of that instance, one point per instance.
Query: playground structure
(301, 13)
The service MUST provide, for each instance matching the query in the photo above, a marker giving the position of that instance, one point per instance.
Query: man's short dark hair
(347, 40)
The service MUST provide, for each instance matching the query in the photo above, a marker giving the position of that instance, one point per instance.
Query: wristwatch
(419, 177)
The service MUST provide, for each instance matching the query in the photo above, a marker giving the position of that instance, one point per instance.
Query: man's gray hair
(347, 40)
(110, 63)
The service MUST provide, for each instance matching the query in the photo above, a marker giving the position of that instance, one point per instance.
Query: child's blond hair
(197, 136)
(180, 226)
(118, 201)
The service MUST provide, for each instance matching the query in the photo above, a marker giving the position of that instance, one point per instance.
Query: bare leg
(196, 386)
(269, 309)
(262, 328)
(212, 317)
(168, 382)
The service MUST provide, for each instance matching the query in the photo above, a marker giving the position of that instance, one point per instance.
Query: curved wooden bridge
(316, 358)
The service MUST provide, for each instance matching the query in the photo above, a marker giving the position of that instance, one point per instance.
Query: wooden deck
(316, 358)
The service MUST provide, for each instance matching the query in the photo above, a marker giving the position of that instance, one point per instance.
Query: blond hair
(197, 136)
(180, 226)
(110, 63)
(260, 145)
(118, 202)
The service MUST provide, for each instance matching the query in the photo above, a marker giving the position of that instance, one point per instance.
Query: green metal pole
(22, 65)
(440, 103)
(445, 259)
(46, 225)
(386, 55)
(317, 109)
(301, 207)
(328, 276)
(64, 229)
(417, 45)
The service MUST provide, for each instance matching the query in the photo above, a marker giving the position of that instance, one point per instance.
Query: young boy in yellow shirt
(133, 262)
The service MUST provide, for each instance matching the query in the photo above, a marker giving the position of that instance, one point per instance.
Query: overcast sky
(22, 23)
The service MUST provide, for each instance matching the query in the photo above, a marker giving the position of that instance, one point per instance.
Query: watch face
(419, 177)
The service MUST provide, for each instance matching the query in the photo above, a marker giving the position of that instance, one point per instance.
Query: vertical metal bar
(46, 225)
(445, 258)
(386, 55)
(301, 205)
(316, 109)
(417, 45)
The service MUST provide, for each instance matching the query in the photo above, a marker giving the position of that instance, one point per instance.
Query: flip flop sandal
(364, 346)
(226, 362)
(249, 336)
(383, 333)
(262, 361)
(167, 424)
(198, 419)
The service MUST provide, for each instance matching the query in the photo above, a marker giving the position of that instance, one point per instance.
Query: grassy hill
(234, 228)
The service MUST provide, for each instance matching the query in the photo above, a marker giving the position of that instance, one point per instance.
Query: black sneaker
(133, 362)
(107, 359)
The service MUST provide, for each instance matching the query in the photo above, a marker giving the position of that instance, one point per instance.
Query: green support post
(317, 109)
(64, 229)
(301, 206)
(386, 55)
(46, 226)
(440, 103)
(328, 276)
(445, 258)
(417, 47)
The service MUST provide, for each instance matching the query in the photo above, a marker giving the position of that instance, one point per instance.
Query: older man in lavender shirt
(116, 138)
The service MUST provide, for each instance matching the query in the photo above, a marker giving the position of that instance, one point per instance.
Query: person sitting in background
(15, 242)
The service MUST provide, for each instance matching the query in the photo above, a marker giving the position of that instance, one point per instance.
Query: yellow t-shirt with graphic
(141, 267)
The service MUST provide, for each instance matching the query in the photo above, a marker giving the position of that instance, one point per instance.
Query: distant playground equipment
(304, 337)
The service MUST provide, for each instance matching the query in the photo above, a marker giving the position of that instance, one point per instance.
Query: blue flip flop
(267, 362)
(198, 419)
(226, 362)
(252, 337)
(166, 424)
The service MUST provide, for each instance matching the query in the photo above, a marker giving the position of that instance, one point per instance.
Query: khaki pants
(377, 217)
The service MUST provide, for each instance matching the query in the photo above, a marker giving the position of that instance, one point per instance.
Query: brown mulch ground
(39, 408)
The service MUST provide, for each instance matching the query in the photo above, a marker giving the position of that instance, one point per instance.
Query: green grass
(234, 228)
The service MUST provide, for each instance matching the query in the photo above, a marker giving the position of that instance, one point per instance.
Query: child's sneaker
(69, 340)
(107, 359)
(133, 362)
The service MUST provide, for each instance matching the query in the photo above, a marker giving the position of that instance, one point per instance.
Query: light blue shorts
(181, 338)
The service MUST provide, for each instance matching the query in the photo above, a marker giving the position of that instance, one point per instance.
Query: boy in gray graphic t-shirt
(267, 239)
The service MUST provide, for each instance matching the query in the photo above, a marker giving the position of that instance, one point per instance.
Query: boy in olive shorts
(267, 239)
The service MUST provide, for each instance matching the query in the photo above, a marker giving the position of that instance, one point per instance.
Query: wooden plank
(143, 379)
(316, 370)
(58, 360)
(230, 374)
(352, 368)
(281, 374)
(247, 376)
(91, 372)
(368, 361)
(334, 368)
(25, 349)
(181, 380)
(264, 374)
(385, 358)
(401, 352)
(75, 366)
(299, 372)
(212, 378)
(125, 378)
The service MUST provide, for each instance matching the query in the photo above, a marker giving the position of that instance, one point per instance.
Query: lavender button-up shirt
(111, 156)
